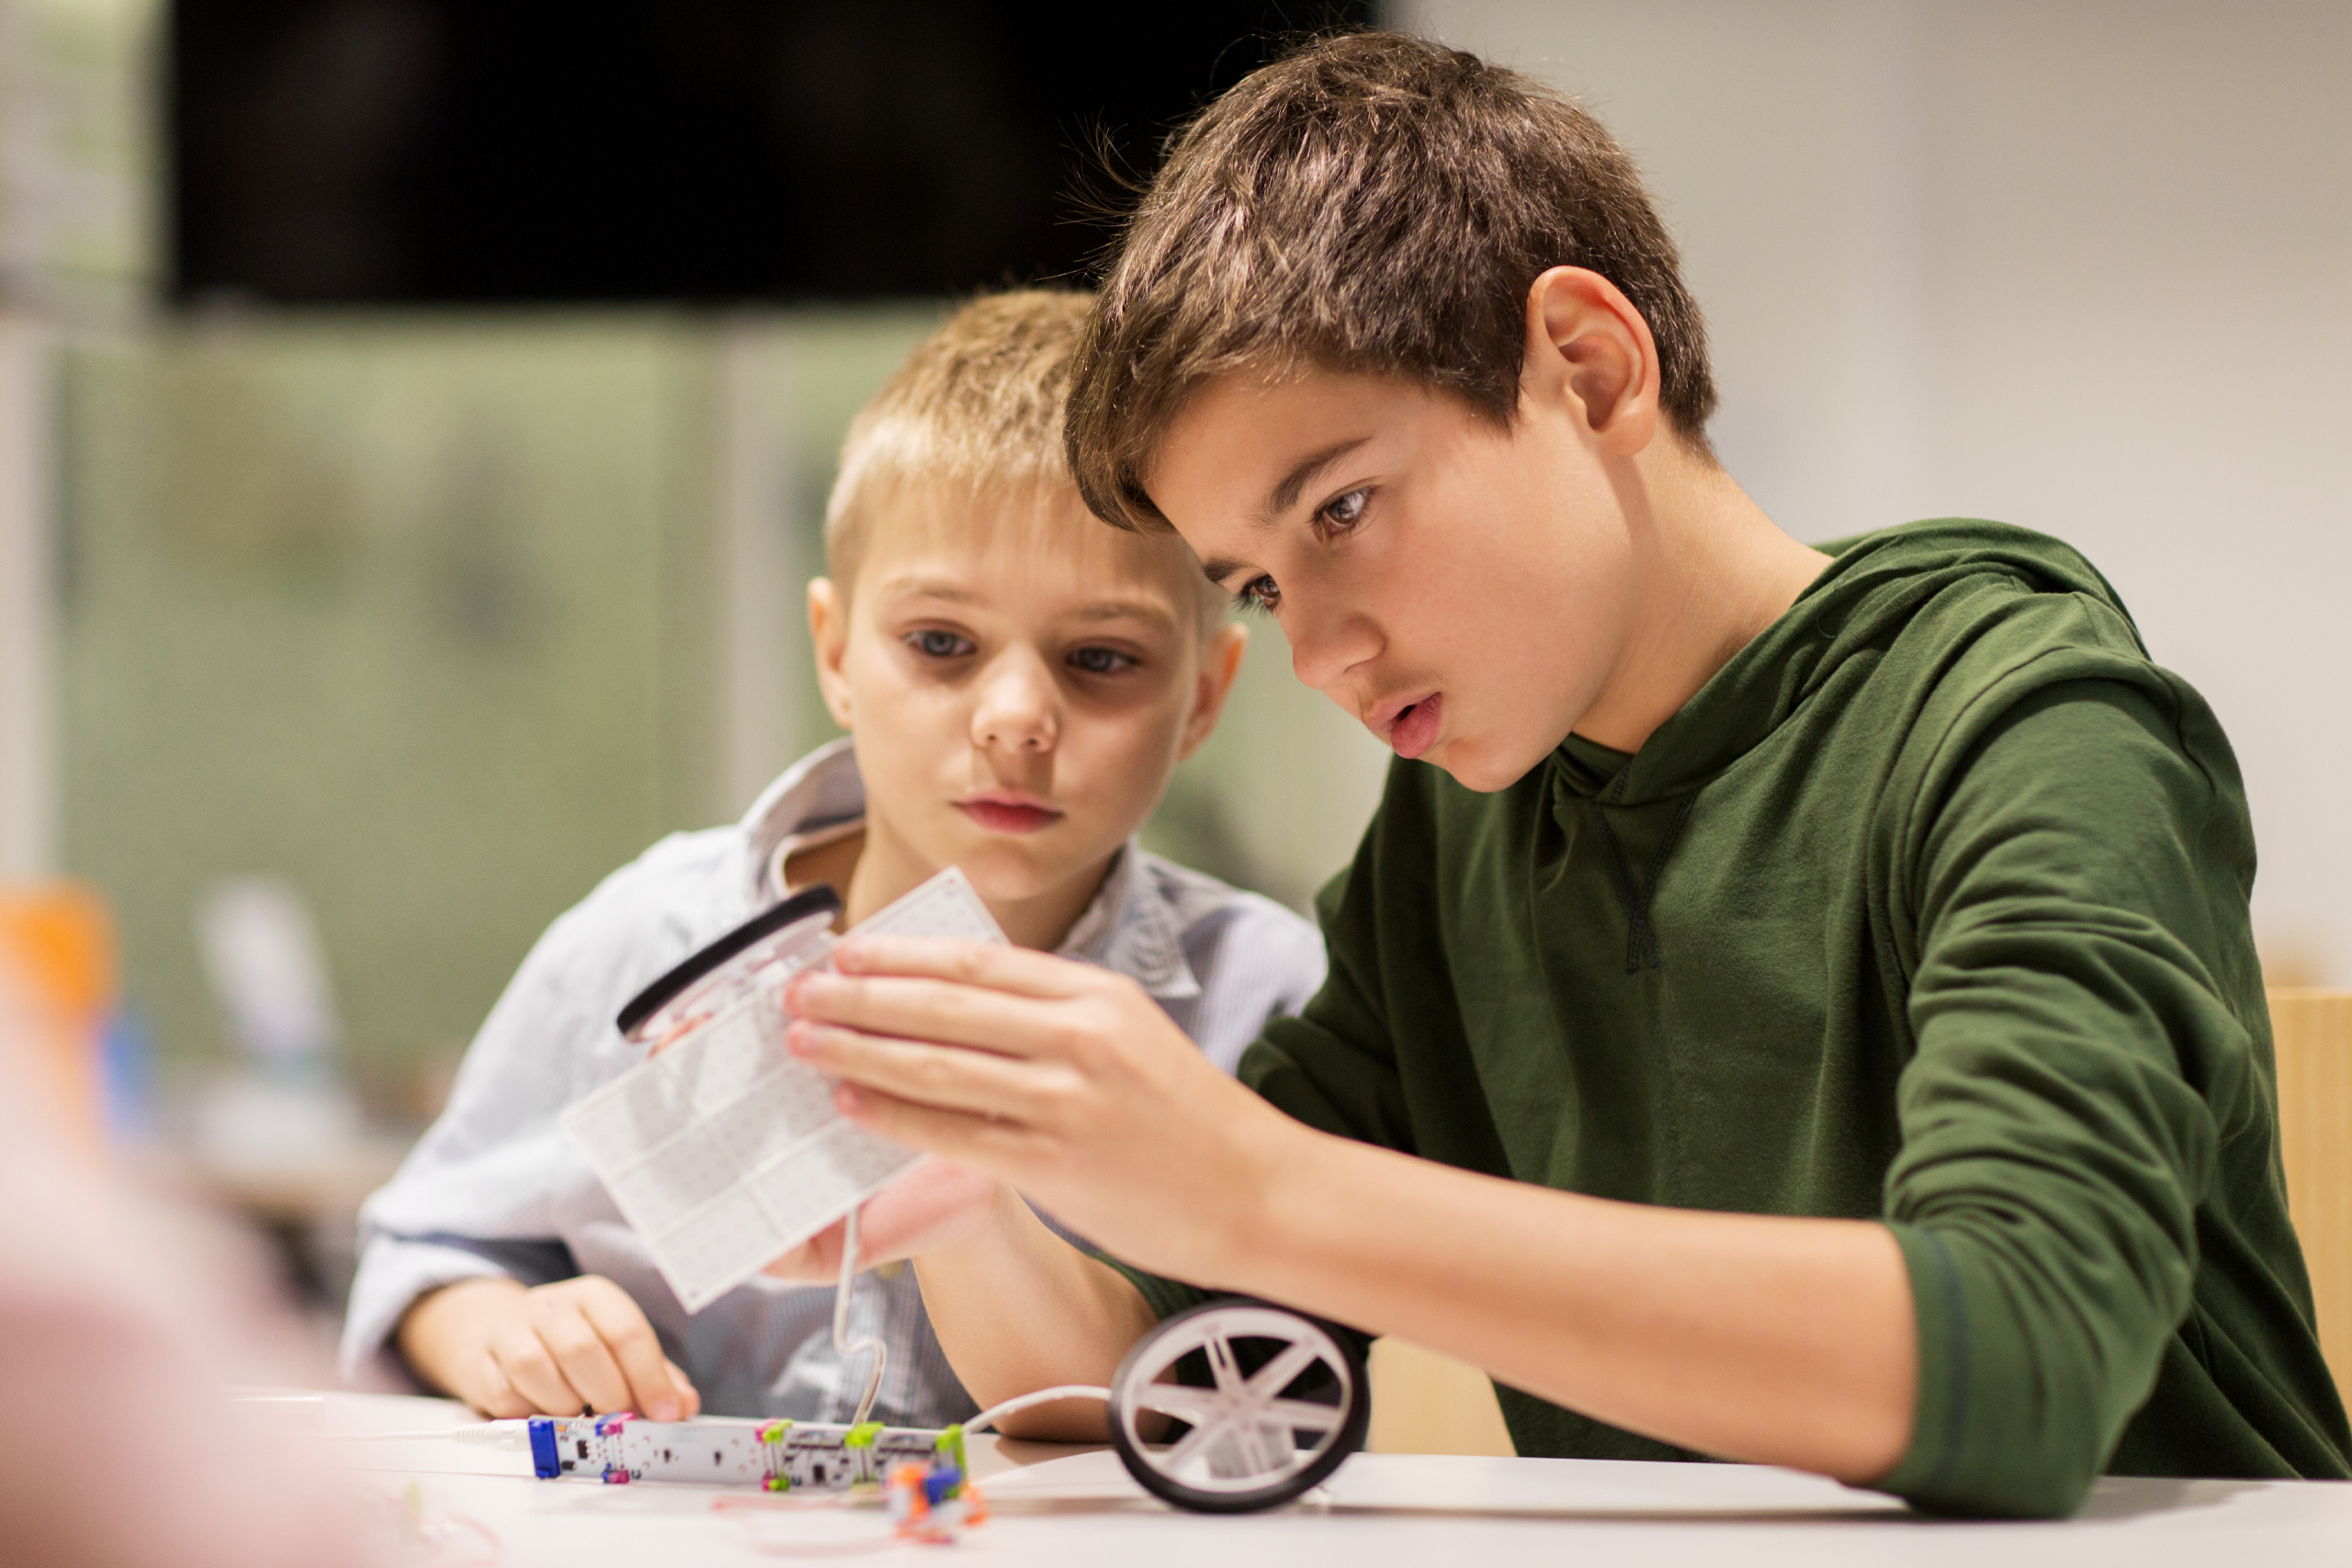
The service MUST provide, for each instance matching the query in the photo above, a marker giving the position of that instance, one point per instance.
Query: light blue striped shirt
(496, 1186)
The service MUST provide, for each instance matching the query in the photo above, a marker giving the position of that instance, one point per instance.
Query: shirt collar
(1133, 924)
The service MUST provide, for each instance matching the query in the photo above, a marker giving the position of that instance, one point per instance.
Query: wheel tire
(1253, 1462)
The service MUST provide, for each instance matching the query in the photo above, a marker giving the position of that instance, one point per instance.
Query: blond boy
(1018, 681)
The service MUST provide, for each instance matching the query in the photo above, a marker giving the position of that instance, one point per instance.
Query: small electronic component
(935, 1504)
(780, 1456)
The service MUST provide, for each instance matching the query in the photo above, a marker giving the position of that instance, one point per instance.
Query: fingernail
(664, 1410)
(802, 1039)
(848, 1101)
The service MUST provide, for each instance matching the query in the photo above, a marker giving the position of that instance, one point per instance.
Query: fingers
(690, 1396)
(1001, 1149)
(1019, 971)
(653, 1386)
(952, 1079)
(929, 1008)
(584, 1360)
(581, 1344)
(526, 1363)
(489, 1390)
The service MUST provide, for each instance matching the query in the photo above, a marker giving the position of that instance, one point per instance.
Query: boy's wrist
(445, 1321)
(996, 1236)
(1251, 1219)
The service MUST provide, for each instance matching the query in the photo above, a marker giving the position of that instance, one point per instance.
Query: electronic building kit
(780, 1456)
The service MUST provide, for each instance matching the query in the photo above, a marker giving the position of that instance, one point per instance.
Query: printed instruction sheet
(724, 1152)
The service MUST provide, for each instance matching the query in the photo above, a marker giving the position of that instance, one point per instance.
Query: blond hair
(977, 406)
(1376, 203)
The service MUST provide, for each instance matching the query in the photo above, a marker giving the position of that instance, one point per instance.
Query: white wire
(1042, 1397)
(843, 1347)
(480, 1434)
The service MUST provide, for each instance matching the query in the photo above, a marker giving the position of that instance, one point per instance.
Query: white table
(1076, 1505)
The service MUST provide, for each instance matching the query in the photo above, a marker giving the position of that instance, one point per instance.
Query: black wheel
(1267, 1403)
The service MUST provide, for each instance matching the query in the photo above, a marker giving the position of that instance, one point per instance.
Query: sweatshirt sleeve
(2080, 867)
(474, 1198)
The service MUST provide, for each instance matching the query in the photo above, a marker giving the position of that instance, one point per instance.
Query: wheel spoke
(1191, 1405)
(1279, 1373)
(1300, 1416)
(1223, 1366)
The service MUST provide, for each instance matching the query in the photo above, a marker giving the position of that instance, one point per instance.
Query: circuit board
(780, 1456)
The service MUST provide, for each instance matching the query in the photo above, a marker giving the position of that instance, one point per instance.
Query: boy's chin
(1012, 868)
(1484, 768)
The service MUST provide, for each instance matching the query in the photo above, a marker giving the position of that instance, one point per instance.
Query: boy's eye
(1342, 513)
(934, 643)
(1102, 660)
(1259, 593)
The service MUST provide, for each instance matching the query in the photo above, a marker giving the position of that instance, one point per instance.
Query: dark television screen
(430, 151)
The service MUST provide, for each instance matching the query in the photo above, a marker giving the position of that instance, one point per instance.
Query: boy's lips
(1008, 811)
(1409, 725)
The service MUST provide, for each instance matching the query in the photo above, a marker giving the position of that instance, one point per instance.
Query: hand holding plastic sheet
(723, 1150)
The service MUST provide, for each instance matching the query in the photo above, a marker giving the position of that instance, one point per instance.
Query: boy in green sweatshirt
(1792, 1005)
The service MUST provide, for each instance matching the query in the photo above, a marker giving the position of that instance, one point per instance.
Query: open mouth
(1008, 814)
(1414, 728)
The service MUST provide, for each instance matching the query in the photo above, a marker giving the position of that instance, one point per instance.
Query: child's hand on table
(1071, 1085)
(554, 1349)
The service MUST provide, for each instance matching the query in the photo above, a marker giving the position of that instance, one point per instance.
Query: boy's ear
(1589, 354)
(1220, 663)
(829, 631)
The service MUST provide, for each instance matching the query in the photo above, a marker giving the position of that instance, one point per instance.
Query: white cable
(482, 1435)
(1042, 1397)
(841, 1343)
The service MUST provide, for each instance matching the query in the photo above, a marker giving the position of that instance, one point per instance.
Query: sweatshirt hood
(1870, 589)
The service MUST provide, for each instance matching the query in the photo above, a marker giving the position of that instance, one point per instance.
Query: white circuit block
(723, 1152)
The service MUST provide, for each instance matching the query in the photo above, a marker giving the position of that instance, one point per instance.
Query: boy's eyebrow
(1285, 494)
(1124, 609)
(955, 592)
(945, 588)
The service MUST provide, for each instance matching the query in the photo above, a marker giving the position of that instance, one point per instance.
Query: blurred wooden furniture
(1423, 1403)
(2311, 1032)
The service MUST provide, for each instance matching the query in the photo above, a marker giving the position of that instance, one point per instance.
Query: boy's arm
(1780, 1340)
(2084, 976)
(1015, 1305)
(2080, 862)
(1017, 1308)
(461, 1269)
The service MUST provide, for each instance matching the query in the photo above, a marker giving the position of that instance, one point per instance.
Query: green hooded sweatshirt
(1930, 907)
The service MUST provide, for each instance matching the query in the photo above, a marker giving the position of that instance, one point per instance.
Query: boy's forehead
(1254, 438)
(1041, 538)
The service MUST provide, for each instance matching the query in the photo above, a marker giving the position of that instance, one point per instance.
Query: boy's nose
(1324, 647)
(1018, 708)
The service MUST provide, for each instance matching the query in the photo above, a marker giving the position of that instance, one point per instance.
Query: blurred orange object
(57, 950)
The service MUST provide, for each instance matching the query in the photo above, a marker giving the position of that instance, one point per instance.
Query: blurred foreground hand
(121, 1331)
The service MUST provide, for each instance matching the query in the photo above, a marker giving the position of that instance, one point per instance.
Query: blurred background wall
(436, 599)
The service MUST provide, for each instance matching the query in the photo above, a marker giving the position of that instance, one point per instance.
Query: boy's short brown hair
(1373, 202)
(977, 405)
